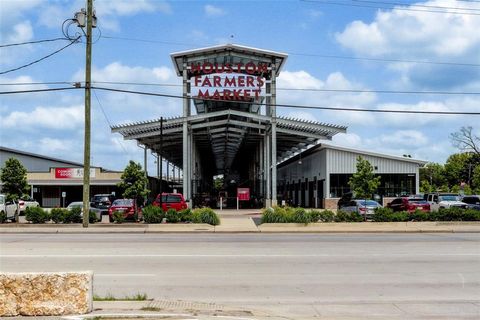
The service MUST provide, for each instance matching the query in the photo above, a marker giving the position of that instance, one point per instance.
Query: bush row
(153, 214)
(300, 215)
(57, 215)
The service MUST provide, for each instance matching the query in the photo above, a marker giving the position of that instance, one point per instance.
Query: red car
(409, 204)
(171, 201)
(127, 206)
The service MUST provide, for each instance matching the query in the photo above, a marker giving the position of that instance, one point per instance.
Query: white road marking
(238, 255)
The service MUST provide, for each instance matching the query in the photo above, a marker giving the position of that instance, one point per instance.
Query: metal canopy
(228, 53)
(221, 135)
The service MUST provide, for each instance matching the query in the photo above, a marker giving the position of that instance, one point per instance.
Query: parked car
(171, 201)
(8, 207)
(364, 207)
(25, 203)
(79, 204)
(473, 202)
(127, 206)
(102, 201)
(441, 200)
(409, 204)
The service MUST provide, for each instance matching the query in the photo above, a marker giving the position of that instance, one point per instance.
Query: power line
(35, 83)
(108, 122)
(43, 58)
(417, 5)
(311, 89)
(351, 4)
(296, 106)
(32, 42)
(278, 88)
(38, 90)
(462, 64)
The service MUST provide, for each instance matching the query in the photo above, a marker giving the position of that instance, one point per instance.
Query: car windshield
(75, 205)
(416, 200)
(171, 198)
(368, 203)
(123, 202)
(449, 198)
(100, 198)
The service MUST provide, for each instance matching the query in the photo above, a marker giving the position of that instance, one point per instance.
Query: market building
(55, 182)
(230, 127)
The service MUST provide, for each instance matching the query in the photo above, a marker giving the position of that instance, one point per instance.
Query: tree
(364, 183)
(432, 177)
(465, 140)
(134, 182)
(14, 178)
(458, 168)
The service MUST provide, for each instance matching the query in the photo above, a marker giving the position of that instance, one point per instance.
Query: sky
(365, 46)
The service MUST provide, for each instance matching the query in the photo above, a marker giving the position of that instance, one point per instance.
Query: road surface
(382, 276)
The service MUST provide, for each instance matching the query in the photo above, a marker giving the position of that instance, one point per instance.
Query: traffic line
(238, 255)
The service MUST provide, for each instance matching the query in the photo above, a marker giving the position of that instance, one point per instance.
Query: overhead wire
(41, 59)
(296, 106)
(32, 42)
(352, 4)
(108, 122)
(416, 5)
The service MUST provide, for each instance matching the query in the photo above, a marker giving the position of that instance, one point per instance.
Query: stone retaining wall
(46, 294)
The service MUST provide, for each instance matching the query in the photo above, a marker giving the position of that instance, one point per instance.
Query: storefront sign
(230, 81)
(243, 194)
(71, 173)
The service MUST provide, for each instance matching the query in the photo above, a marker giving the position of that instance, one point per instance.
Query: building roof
(323, 146)
(236, 52)
(39, 156)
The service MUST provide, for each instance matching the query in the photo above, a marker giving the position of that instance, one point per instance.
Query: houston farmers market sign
(229, 81)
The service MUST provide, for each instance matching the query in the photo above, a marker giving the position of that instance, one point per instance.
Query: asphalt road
(346, 276)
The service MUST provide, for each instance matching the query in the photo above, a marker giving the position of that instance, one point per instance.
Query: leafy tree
(457, 168)
(432, 177)
(364, 183)
(14, 178)
(476, 179)
(134, 182)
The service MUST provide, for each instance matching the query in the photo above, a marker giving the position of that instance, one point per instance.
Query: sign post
(64, 194)
(243, 194)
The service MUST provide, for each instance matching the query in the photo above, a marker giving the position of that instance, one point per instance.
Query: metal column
(186, 113)
(267, 170)
(273, 103)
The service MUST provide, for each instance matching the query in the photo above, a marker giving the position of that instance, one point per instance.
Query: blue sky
(52, 123)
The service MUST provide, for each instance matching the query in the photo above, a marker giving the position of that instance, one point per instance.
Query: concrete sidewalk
(242, 221)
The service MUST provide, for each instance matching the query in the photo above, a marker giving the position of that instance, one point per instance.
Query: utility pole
(86, 152)
(161, 160)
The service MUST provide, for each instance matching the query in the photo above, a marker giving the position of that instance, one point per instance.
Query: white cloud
(21, 32)
(421, 36)
(44, 117)
(213, 11)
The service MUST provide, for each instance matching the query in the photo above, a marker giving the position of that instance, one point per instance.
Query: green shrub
(419, 215)
(118, 216)
(185, 215)
(300, 216)
(36, 215)
(275, 215)
(92, 217)
(314, 215)
(3, 217)
(205, 215)
(400, 216)
(153, 214)
(456, 214)
(326, 216)
(382, 215)
(471, 215)
(343, 216)
(172, 216)
(73, 215)
(57, 214)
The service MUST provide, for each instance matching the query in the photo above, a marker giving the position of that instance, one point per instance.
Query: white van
(440, 200)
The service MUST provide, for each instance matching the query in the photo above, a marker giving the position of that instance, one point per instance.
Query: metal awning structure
(235, 131)
(222, 134)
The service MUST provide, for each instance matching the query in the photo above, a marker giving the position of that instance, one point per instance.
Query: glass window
(123, 202)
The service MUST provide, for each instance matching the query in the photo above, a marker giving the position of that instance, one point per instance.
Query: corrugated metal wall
(340, 161)
(312, 166)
